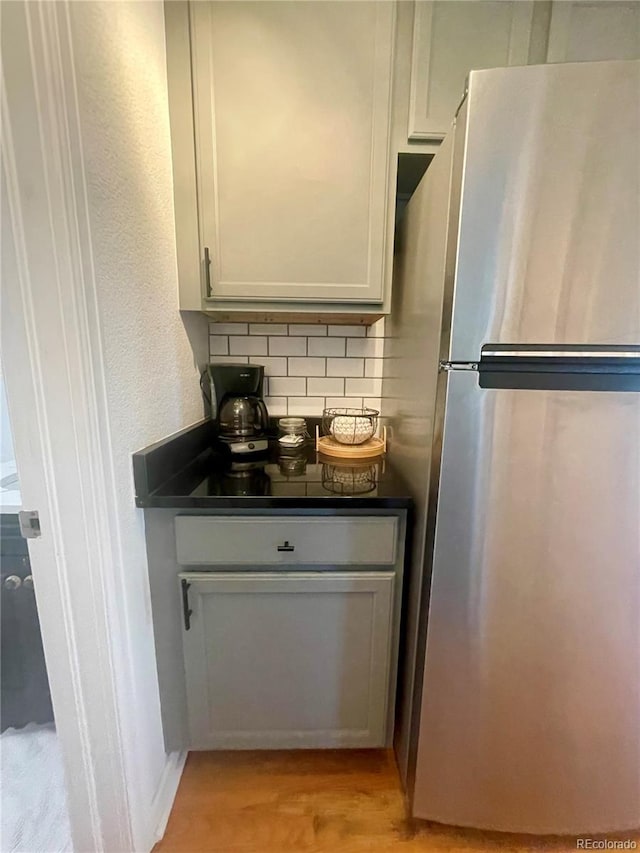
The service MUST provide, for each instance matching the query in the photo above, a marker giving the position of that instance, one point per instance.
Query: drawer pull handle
(186, 610)
(286, 546)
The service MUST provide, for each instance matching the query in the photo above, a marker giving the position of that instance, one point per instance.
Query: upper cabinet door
(586, 30)
(449, 40)
(292, 125)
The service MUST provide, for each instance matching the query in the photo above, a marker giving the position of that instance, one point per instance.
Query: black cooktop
(194, 469)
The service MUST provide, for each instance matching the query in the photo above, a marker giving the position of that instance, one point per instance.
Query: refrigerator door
(548, 247)
(531, 697)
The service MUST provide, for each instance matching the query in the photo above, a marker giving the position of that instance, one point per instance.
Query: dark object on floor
(24, 686)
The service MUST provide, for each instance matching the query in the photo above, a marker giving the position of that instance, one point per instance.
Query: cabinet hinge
(447, 366)
(29, 522)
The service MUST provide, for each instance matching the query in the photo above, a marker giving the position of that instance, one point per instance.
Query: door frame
(53, 368)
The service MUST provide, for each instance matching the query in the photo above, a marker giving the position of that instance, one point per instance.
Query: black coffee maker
(237, 407)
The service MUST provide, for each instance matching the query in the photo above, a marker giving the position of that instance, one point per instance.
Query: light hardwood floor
(314, 802)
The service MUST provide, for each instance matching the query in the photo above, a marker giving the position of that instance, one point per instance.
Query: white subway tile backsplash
(321, 387)
(308, 329)
(218, 345)
(372, 403)
(305, 406)
(347, 331)
(344, 402)
(228, 328)
(276, 406)
(365, 347)
(378, 345)
(373, 366)
(307, 367)
(345, 367)
(268, 329)
(367, 387)
(377, 329)
(272, 366)
(247, 345)
(287, 346)
(326, 346)
(288, 386)
(229, 359)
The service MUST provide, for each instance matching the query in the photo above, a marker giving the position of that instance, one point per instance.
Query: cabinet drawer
(206, 540)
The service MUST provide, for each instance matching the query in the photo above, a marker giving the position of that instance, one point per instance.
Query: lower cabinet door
(287, 660)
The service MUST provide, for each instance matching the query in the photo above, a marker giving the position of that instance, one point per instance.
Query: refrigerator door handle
(569, 352)
(568, 367)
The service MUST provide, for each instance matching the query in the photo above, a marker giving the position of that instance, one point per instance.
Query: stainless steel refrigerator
(512, 389)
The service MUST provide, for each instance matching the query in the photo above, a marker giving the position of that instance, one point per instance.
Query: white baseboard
(166, 793)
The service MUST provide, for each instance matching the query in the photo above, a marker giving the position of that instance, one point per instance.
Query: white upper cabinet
(286, 121)
(452, 38)
(292, 128)
(584, 30)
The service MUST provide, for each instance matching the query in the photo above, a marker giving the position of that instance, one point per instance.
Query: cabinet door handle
(207, 270)
(186, 610)
(286, 546)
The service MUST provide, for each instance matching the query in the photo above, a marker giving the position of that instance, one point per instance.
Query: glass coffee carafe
(242, 418)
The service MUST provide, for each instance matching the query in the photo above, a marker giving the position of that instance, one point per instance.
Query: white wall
(150, 377)
(10, 498)
(6, 441)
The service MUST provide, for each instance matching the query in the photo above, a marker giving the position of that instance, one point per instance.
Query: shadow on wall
(196, 325)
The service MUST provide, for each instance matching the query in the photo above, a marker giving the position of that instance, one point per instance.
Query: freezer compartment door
(548, 247)
(531, 697)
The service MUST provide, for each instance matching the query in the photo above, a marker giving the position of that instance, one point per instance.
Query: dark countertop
(192, 470)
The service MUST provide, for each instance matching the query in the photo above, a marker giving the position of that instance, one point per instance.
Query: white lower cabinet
(286, 660)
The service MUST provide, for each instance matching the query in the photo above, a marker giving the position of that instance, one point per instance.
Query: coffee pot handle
(264, 415)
